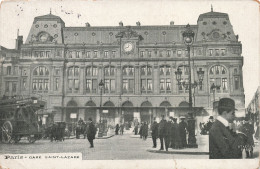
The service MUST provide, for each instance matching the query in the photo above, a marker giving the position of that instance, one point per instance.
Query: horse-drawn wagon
(18, 119)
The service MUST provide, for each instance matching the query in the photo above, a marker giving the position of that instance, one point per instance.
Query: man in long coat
(162, 131)
(154, 129)
(91, 132)
(175, 135)
(183, 130)
(223, 143)
(167, 136)
(145, 131)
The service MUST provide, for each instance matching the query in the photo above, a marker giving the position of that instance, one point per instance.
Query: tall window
(88, 54)
(56, 77)
(146, 79)
(40, 80)
(113, 54)
(179, 53)
(219, 76)
(109, 76)
(165, 79)
(185, 79)
(142, 54)
(73, 79)
(210, 52)
(236, 78)
(78, 54)
(149, 54)
(168, 53)
(95, 54)
(223, 52)
(9, 70)
(106, 54)
(128, 79)
(91, 79)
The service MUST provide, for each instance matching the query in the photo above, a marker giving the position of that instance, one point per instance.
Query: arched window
(165, 79)
(40, 80)
(219, 76)
(146, 79)
(128, 79)
(110, 82)
(91, 79)
(73, 79)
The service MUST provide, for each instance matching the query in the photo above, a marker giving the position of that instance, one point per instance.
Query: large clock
(43, 37)
(128, 46)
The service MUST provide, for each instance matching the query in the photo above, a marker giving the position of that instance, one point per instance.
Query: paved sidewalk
(203, 148)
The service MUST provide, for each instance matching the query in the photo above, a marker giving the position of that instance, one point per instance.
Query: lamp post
(188, 39)
(101, 125)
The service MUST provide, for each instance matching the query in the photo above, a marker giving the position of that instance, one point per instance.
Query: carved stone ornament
(129, 33)
(216, 35)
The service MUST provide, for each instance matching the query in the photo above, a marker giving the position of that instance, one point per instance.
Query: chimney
(138, 23)
(87, 24)
(171, 23)
(19, 42)
(121, 23)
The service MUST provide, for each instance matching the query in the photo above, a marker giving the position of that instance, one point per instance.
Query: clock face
(43, 37)
(128, 47)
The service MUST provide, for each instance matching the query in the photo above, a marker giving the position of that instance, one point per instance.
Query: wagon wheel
(7, 130)
(31, 139)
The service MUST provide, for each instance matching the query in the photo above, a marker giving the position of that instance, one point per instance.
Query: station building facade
(65, 65)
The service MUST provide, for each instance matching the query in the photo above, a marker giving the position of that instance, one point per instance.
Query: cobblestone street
(118, 147)
(114, 148)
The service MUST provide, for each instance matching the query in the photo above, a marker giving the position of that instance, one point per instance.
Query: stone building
(137, 64)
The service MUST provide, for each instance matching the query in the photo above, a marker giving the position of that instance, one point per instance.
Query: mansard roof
(213, 15)
(109, 34)
(48, 17)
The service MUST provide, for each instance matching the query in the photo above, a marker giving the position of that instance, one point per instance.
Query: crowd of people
(171, 134)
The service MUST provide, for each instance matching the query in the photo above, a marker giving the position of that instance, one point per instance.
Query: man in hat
(162, 131)
(154, 129)
(209, 124)
(223, 144)
(91, 132)
(167, 136)
(182, 132)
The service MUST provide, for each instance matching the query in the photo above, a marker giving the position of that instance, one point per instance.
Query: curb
(178, 152)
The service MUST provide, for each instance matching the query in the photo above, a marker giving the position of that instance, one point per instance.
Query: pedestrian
(224, 144)
(167, 136)
(209, 124)
(154, 129)
(183, 131)
(78, 131)
(136, 128)
(122, 128)
(175, 136)
(161, 131)
(117, 129)
(91, 132)
(145, 131)
(249, 131)
(141, 130)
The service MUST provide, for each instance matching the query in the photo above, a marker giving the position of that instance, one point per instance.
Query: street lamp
(101, 126)
(188, 39)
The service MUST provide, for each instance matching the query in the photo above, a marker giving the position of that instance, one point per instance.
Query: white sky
(244, 16)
